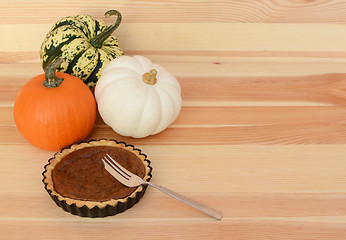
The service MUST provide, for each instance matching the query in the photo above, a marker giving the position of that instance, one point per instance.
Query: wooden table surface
(261, 135)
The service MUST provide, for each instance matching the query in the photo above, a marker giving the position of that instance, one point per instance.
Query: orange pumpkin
(54, 110)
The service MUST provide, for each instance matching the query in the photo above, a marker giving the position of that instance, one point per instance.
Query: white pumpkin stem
(150, 77)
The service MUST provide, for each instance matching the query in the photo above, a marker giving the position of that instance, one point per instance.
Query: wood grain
(197, 36)
(261, 135)
(262, 11)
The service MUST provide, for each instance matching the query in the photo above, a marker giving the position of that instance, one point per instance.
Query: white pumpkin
(136, 97)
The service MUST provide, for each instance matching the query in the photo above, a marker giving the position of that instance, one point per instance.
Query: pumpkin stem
(98, 40)
(51, 79)
(150, 77)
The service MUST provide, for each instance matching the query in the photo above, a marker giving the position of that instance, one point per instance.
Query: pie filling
(81, 174)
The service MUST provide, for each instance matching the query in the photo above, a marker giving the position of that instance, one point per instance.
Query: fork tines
(116, 166)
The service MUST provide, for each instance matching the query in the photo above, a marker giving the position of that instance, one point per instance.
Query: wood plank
(258, 115)
(295, 133)
(214, 136)
(235, 125)
(194, 66)
(301, 90)
(214, 116)
(220, 37)
(283, 228)
(235, 57)
(155, 204)
(125, 230)
(208, 168)
(181, 11)
(318, 88)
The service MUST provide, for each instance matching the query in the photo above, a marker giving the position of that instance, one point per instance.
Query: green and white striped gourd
(86, 45)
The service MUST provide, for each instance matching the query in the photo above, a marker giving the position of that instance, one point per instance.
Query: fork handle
(207, 210)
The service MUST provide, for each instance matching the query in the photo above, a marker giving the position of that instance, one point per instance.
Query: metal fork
(131, 180)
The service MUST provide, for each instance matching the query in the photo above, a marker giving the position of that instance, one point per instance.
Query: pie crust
(90, 207)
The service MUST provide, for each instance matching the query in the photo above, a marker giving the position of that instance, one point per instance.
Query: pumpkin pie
(77, 181)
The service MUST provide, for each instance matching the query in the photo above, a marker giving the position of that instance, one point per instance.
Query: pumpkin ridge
(110, 42)
(69, 69)
(70, 51)
(97, 68)
(112, 49)
(85, 64)
(51, 47)
(98, 28)
(55, 51)
(84, 19)
(79, 109)
(70, 23)
(139, 120)
(171, 101)
(158, 125)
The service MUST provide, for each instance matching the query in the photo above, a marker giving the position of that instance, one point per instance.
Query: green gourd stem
(98, 40)
(51, 79)
(150, 77)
